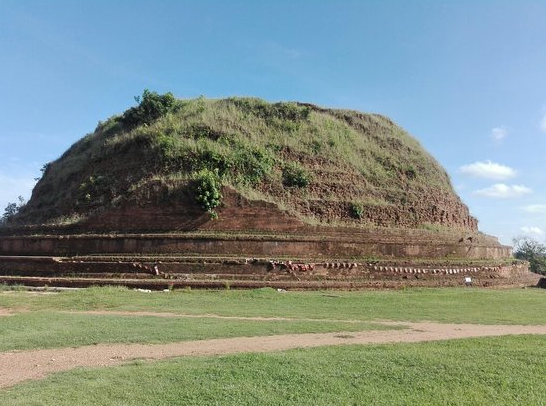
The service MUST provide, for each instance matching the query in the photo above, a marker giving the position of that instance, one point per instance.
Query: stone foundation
(339, 259)
(350, 243)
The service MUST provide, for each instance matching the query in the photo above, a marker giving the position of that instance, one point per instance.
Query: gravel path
(19, 366)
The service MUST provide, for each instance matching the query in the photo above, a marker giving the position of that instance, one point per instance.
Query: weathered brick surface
(240, 272)
(317, 246)
(253, 229)
(239, 213)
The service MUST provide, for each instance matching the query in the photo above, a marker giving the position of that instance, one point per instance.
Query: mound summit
(243, 163)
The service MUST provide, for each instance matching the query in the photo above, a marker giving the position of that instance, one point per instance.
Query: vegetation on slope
(317, 163)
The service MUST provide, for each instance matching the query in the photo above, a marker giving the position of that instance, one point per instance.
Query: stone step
(159, 283)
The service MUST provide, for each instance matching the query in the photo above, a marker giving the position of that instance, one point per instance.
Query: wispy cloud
(502, 191)
(488, 170)
(460, 187)
(278, 50)
(543, 123)
(535, 208)
(532, 230)
(499, 133)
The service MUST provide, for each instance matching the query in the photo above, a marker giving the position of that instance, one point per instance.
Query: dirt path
(208, 316)
(5, 312)
(17, 367)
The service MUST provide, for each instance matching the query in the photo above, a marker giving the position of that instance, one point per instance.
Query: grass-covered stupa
(183, 164)
(243, 193)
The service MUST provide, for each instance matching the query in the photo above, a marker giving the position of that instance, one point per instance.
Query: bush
(357, 210)
(151, 107)
(96, 189)
(219, 163)
(110, 127)
(252, 165)
(167, 147)
(206, 190)
(531, 250)
(296, 176)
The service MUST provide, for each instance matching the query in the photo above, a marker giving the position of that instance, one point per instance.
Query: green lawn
(492, 371)
(489, 371)
(46, 329)
(456, 305)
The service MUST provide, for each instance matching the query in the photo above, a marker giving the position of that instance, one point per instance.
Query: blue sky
(466, 78)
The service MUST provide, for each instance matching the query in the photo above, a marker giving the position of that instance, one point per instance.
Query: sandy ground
(5, 312)
(208, 316)
(16, 367)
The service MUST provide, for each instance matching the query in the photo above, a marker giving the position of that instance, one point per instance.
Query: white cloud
(499, 133)
(488, 170)
(535, 208)
(502, 191)
(460, 187)
(543, 123)
(532, 230)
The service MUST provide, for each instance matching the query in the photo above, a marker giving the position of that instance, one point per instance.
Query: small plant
(167, 146)
(316, 147)
(43, 169)
(296, 176)
(357, 210)
(206, 189)
(410, 172)
(95, 189)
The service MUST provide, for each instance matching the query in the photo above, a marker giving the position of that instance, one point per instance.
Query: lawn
(47, 329)
(488, 371)
(455, 305)
(492, 371)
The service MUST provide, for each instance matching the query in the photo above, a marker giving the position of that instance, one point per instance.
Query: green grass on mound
(287, 153)
(489, 371)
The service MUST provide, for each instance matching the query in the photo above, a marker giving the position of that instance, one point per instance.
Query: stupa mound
(241, 190)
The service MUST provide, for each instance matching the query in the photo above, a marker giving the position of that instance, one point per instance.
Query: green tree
(531, 250)
(11, 211)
